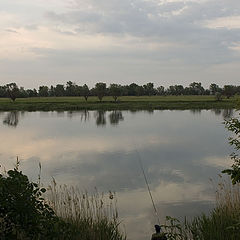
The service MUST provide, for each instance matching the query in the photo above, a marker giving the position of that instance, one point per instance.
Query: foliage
(12, 91)
(100, 90)
(85, 92)
(233, 125)
(173, 228)
(26, 215)
(218, 96)
(214, 88)
(229, 90)
(43, 91)
(23, 212)
(115, 91)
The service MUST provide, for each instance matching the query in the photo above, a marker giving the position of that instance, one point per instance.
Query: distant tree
(51, 91)
(175, 90)
(218, 96)
(132, 89)
(3, 91)
(31, 93)
(85, 91)
(12, 91)
(59, 90)
(43, 91)
(115, 91)
(22, 93)
(238, 90)
(214, 88)
(160, 90)
(100, 90)
(207, 92)
(71, 89)
(196, 88)
(149, 89)
(139, 91)
(229, 90)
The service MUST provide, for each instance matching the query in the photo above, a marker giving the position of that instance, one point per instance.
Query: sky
(167, 42)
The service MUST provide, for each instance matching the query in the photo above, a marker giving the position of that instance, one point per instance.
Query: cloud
(143, 39)
(230, 22)
(179, 23)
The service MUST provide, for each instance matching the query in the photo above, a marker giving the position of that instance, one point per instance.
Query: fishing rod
(146, 181)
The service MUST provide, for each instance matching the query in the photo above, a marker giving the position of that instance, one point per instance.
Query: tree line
(100, 90)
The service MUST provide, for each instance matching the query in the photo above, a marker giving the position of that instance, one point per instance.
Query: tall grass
(223, 222)
(94, 216)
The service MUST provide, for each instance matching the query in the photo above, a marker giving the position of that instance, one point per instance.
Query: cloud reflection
(180, 151)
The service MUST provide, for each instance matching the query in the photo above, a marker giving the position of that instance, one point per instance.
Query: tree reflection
(115, 117)
(84, 115)
(12, 119)
(195, 111)
(100, 118)
(217, 111)
(227, 113)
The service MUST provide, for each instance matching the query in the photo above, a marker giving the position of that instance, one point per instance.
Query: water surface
(180, 152)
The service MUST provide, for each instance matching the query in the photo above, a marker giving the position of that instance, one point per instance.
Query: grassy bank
(123, 103)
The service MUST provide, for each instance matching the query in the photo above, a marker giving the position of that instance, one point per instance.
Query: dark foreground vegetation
(28, 211)
(26, 215)
(222, 223)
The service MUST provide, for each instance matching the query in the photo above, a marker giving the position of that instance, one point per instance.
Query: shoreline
(124, 103)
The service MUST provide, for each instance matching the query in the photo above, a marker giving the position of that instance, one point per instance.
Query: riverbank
(123, 103)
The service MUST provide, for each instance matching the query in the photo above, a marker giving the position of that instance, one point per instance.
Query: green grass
(95, 216)
(223, 222)
(124, 103)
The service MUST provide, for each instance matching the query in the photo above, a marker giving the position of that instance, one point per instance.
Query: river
(180, 152)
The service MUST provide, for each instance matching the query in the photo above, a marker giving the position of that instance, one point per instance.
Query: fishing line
(146, 181)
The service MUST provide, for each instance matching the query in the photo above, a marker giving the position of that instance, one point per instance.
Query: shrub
(23, 212)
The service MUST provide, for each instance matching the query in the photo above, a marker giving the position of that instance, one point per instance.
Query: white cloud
(229, 22)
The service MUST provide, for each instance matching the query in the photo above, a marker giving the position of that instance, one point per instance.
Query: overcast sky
(44, 42)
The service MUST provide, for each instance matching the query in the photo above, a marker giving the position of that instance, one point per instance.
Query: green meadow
(123, 103)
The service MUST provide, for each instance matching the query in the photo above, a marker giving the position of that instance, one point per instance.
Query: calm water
(180, 151)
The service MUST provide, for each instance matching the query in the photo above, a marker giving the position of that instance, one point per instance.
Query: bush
(23, 212)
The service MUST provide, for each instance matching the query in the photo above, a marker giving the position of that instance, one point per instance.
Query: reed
(94, 216)
(223, 222)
